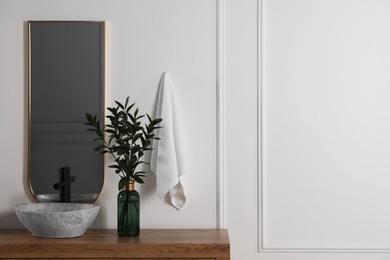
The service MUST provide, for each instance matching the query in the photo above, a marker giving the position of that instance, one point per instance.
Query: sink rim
(33, 206)
(75, 198)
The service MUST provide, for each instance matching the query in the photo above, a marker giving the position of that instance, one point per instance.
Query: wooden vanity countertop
(105, 244)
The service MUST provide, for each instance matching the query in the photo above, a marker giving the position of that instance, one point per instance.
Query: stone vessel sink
(57, 220)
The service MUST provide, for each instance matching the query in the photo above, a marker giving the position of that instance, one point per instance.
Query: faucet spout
(64, 184)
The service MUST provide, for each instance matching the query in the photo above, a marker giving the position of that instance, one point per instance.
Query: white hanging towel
(168, 160)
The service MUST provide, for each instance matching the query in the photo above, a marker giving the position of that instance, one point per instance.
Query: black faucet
(64, 184)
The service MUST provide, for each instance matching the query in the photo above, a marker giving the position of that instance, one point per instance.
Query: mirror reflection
(66, 80)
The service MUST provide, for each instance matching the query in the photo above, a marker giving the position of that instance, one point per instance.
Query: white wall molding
(262, 245)
(259, 125)
(220, 39)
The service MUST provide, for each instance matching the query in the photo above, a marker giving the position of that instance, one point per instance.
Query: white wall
(320, 190)
(326, 119)
(144, 39)
(241, 128)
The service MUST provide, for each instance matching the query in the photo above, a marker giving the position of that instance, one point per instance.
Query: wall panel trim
(260, 173)
(220, 107)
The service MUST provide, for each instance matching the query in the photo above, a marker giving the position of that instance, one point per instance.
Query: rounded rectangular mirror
(66, 80)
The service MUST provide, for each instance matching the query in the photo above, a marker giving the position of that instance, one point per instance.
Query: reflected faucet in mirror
(64, 184)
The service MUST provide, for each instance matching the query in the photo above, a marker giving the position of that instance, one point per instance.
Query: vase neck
(129, 185)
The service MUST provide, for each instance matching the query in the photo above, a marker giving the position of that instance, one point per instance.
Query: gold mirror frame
(29, 127)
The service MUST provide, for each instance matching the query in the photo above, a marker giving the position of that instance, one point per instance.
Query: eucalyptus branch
(128, 139)
(113, 155)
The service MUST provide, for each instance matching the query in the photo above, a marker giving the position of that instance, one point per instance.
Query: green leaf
(127, 101)
(122, 151)
(138, 179)
(136, 137)
(122, 183)
(99, 147)
(112, 110)
(135, 149)
(110, 117)
(98, 133)
(150, 119)
(133, 160)
(89, 117)
(132, 119)
(143, 162)
(119, 104)
(110, 131)
(130, 107)
(156, 121)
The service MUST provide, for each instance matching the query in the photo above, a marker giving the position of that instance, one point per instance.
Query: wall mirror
(66, 80)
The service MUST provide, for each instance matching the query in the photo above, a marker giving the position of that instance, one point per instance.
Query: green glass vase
(128, 211)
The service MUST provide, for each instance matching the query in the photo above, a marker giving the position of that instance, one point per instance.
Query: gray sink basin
(57, 220)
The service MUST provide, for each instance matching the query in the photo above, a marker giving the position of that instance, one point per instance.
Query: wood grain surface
(105, 244)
